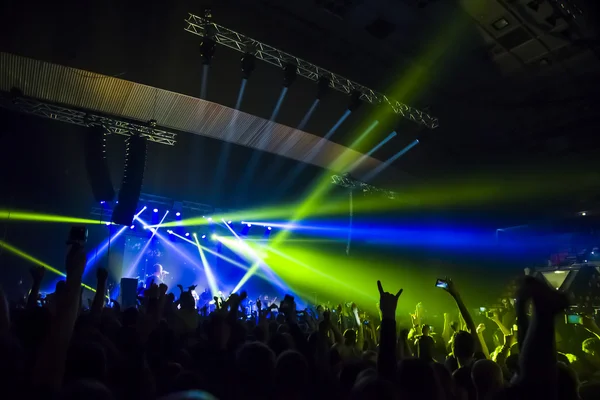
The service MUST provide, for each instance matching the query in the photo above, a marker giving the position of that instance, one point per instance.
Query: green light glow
(36, 217)
(37, 262)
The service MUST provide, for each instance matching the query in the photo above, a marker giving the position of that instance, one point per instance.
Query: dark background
(491, 117)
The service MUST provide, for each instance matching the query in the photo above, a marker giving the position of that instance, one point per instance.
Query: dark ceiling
(503, 96)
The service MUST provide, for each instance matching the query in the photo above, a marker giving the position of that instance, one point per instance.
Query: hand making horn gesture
(388, 302)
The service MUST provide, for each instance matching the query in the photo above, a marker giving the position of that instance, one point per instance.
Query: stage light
(203, 236)
(269, 228)
(210, 218)
(102, 202)
(229, 222)
(207, 49)
(195, 234)
(155, 210)
(583, 213)
(289, 74)
(178, 214)
(187, 234)
(132, 227)
(249, 225)
(355, 100)
(214, 236)
(170, 232)
(108, 224)
(323, 86)
(248, 64)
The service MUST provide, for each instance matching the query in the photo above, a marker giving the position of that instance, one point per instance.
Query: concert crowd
(170, 347)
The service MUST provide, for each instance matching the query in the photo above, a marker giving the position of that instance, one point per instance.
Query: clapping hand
(388, 302)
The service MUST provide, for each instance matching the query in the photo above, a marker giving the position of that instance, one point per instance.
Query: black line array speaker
(96, 164)
(133, 177)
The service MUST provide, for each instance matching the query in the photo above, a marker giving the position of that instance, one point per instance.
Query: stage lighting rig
(289, 74)
(204, 27)
(207, 49)
(355, 101)
(248, 64)
(323, 87)
(349, 182)
(114, 125)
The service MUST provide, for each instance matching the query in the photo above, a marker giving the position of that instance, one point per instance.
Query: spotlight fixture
(108, 224)
(228, 222)
(102, 202)
(248, 64)
(170, 232)
(187, 234)
(132, 227)
(155, 210)
(178, 214)
(583, 213)
(323, 87)
(203, 236)
(195, 234)
(209, 218)
(214, 236)
(269, 228)
(355, 100)
(249, 225)
(289, 74)
(207, 49)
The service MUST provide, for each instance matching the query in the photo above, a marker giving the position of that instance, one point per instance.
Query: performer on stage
(157, 275)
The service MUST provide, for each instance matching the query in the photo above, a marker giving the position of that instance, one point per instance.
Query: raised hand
(37, 273)
(388, 302)
(451, 288)
(101, 275)
(162, 288)
(327, 316)
(192, 287)
(480, 329)
(75, 261)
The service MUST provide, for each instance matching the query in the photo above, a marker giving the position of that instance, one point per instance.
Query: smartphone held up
(441, 283)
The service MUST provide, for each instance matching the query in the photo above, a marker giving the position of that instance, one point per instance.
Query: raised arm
(446, 333)
(50, 364)
(484, 348)
(538, 370)
(590, 325)
(496, 318)
(464, 313)
(100, 296)
(37, 274)
(386, 358)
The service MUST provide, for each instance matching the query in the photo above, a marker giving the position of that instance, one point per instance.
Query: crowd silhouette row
(166, 347)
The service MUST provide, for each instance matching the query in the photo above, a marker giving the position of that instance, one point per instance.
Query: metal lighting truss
(350, 183)
(81, 118)
(203, 27)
